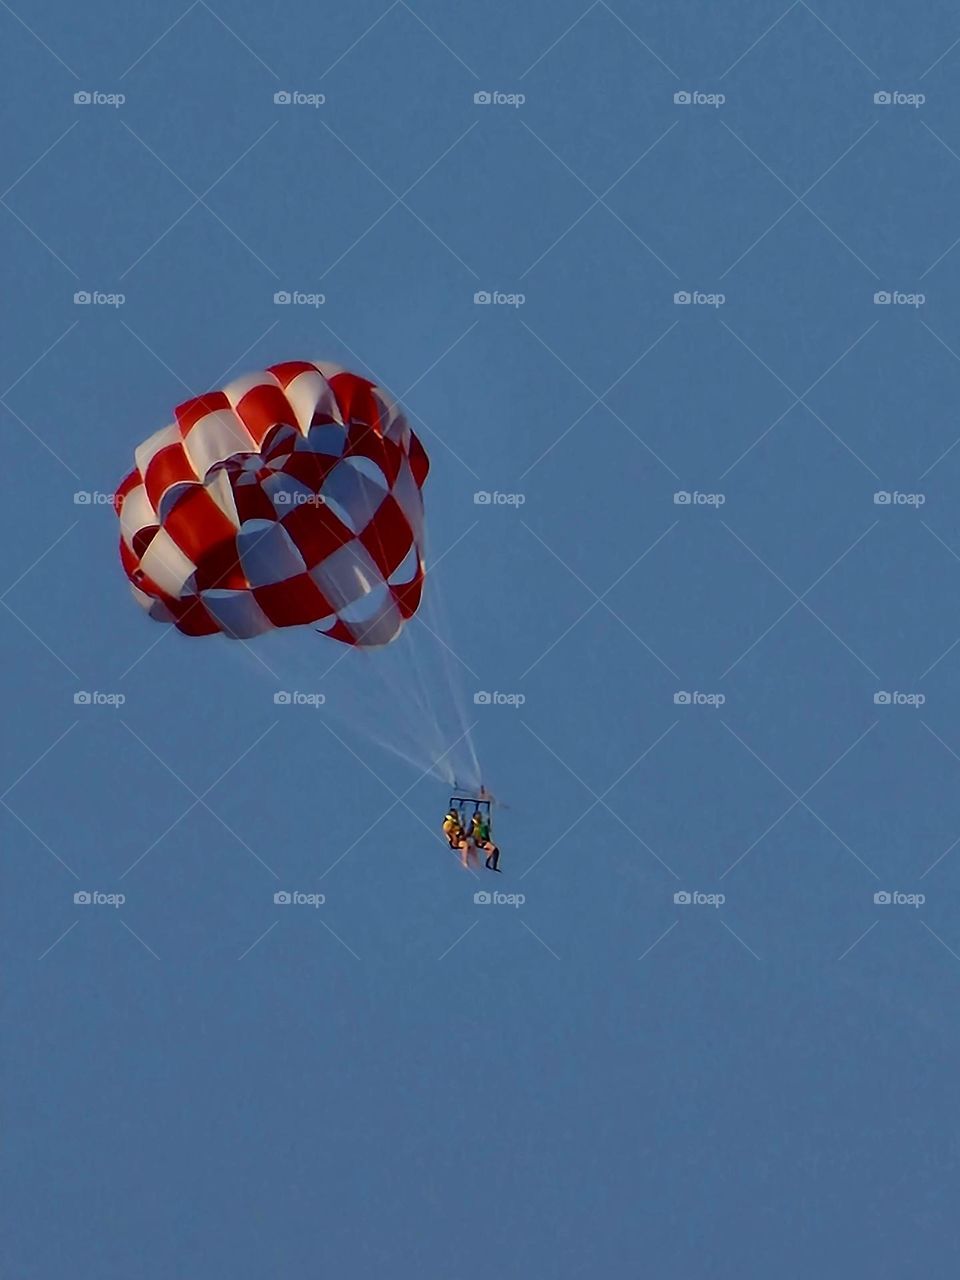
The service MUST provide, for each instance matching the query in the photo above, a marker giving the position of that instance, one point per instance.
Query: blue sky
(602, 1080)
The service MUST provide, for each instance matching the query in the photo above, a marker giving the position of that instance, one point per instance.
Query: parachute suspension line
(411, 699)
(419, 686)
(378, 702)
(415, 734)
(420, 720)
(417, 689)
(427, 683)
(436, 621)
(420, 759)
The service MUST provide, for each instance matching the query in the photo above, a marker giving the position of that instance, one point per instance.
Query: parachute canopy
(292, 496)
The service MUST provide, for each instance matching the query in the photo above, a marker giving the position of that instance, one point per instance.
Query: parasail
(292, 496)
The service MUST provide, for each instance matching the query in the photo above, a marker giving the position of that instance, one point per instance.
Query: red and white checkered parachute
(292, 496)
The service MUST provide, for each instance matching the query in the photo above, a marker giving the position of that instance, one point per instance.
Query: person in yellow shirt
(453, 829)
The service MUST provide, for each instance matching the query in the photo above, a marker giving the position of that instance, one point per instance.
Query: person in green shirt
(480, 835)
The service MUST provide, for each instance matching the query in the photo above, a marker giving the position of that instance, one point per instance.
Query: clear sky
(601, 1081)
